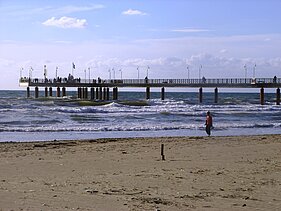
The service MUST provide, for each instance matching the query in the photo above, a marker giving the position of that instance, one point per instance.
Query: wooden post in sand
(162, 152)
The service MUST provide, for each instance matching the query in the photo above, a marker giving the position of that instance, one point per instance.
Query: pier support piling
(278, 96)
(63, 91)
(50, 91)
(58, 91)
(200, 95)
(148, 93)
(28, 92)
(46, 91)
(115, 93)
(36, 92)
(97, 93)
(100, 93)
(85, 93)
(262, 96)
(163, 93)
(104, 93)
(107, 93)
(79, 93)
(92, 93)
(216, 95)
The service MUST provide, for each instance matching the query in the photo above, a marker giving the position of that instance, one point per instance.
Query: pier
(92, 89)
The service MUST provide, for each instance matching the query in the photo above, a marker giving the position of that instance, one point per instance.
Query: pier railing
(221, 82)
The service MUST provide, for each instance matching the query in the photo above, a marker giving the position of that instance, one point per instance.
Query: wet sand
(198, 173)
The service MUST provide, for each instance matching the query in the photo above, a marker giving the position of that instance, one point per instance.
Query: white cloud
(223, 51)
(6, 62)
(133, 12)
(27, 12)
(66, 22)
(167, 58)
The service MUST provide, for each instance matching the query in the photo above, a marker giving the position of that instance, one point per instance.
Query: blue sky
(221, 35)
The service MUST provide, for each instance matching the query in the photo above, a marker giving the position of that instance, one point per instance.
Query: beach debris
(122, 191)
(155, 200)
(91, 191)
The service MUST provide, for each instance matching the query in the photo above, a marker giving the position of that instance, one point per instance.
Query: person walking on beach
(209, 123)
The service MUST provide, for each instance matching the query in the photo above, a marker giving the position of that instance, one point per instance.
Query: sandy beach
(198, 173)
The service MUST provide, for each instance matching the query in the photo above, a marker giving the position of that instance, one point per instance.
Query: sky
(162, 38)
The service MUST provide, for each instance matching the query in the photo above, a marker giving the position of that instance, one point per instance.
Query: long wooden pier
(99, 89)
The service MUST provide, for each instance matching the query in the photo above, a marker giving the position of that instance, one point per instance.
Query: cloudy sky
(224, 36)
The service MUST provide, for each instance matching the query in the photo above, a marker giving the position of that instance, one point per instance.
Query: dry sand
(199, 173)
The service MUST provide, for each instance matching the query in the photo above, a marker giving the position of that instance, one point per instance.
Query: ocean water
(180, 114)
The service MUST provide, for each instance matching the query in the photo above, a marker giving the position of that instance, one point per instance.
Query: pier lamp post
(254, 71)
(121, 73)
(109, 71)
(200, 69)
(187, 71)
(113, 70)
(73, 68)
(85, 75)
(21, 69)
(45, 71)
(89, 69)
(138, 72)
(148, 68)
(245, 68)
(57, 72)
(30, 72)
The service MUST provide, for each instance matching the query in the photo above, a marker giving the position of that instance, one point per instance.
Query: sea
(180, 114)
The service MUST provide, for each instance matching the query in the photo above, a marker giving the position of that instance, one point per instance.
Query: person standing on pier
(209, 123)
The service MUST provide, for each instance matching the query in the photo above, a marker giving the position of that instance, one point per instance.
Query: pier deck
(100, 88)
(220, 83)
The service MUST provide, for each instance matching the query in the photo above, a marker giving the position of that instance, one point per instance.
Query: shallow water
(23, 119)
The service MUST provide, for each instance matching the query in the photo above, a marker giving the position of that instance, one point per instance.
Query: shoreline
(198, 173)
(122, 139)
(86, 135)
